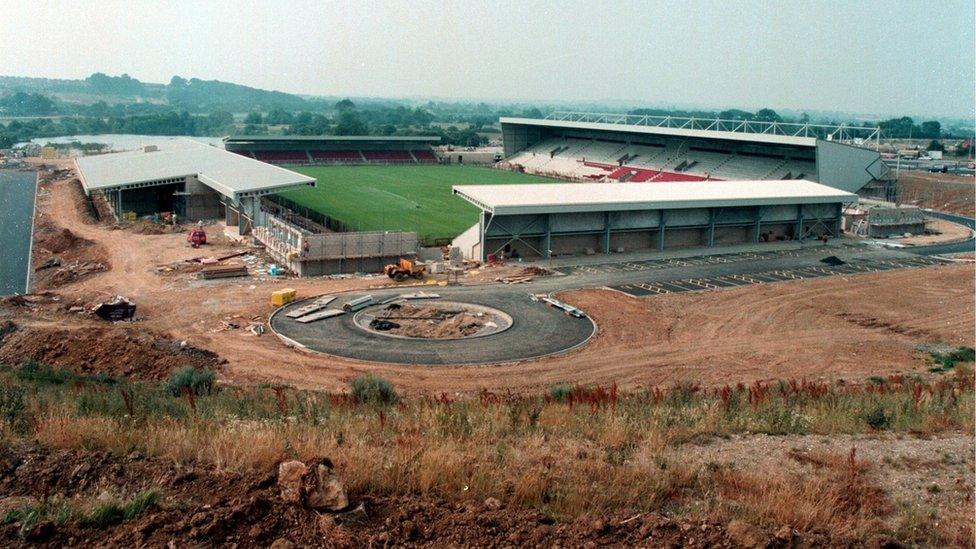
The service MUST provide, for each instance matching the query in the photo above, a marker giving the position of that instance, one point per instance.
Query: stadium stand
(390, 157)
(282, 157)
(673, 160)
(337, 157)
(335, 149)
(424, 155)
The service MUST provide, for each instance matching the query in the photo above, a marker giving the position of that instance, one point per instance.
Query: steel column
(547, 239)
(606, 233)
(799, 222)
(710, 234)
(758, 226)
(660, 230)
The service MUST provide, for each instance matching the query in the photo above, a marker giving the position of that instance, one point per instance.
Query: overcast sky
(881, 57)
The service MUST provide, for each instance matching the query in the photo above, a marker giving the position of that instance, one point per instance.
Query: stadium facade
(188, 178)
(540, 221)
(626, 148)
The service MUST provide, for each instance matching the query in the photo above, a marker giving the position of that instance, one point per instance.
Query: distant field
(409, 198)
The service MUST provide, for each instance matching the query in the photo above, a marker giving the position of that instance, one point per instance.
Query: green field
(408, 198)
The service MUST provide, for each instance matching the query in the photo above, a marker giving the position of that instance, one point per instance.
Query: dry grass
(578, 452)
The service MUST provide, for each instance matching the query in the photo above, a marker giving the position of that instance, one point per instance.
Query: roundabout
(460, 326)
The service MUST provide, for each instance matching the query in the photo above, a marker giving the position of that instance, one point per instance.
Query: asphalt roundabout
(535, 329)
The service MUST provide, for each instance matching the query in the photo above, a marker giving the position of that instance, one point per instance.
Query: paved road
(537, 330)
(958, 247)
(16, 221)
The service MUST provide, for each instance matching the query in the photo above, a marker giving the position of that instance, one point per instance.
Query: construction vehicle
(404, 268)
(197, 237)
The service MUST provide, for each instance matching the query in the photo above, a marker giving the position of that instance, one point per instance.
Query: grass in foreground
(407, 198)
(573, 451)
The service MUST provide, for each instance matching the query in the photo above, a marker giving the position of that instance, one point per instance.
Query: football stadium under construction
(630, 184)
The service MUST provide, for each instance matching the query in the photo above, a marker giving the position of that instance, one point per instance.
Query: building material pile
(317, 305)
(223, 271)
(116, 309)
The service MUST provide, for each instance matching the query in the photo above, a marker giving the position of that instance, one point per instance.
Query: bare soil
(430, 321)
(98, 347)
(940, 191)
(202, 506)
(199, 504)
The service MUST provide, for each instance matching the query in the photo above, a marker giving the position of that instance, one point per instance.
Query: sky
(872, 57)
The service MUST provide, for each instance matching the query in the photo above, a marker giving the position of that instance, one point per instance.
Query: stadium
(611, 184)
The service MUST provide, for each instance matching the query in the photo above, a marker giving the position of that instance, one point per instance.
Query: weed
(199, 381)
(878, 418)
(559, 392)
(370, 389)
(13, 408)
(134, 507)
(103, 515)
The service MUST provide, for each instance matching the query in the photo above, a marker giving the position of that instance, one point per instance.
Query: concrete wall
(847, 167)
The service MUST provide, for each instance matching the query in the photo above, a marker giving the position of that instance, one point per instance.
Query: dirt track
(848, 328)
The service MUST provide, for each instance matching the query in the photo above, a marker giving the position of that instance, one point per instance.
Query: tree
(768, 115)
(934, 145)
(27, 104)
(736, 114)
(253, 118)
(345, 105)
(931, 129)
(350, 124)
(115, 85)
(278, 116)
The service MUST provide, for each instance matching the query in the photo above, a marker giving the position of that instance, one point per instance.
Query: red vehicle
(196, 238)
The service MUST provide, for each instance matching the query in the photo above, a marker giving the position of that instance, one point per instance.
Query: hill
(192, 94)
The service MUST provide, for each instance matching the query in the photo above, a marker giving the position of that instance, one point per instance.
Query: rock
(282, 543)
(745, 534)
(290, 475)
(315, 485)
(198, 518)
(323, 489)
(40, 531)
(784, 534)
(493, 504)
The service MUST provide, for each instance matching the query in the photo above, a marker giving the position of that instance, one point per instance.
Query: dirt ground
(939, 191)
(198, 504)
(202, 506)
(430, 321)
(947, 232)
(839, 327)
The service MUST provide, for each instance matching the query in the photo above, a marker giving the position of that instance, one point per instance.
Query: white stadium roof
(230, 174)
(765, 138)
(590, 197)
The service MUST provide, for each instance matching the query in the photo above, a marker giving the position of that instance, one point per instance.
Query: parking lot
(644, 289)
(715, 259)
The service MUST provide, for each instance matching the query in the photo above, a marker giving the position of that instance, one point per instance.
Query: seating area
(282, 157)
(425, 156)
(671, 160)
(350, 156)
(336, 156)
(391, 157)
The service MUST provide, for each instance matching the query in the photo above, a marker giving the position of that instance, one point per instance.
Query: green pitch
(407, 198)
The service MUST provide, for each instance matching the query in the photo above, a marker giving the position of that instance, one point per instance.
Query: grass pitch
(407, 198)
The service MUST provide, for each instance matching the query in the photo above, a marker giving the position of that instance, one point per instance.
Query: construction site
(191, 236)
(617, 297)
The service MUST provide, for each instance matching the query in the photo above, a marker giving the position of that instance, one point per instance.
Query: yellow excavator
(406, 268)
